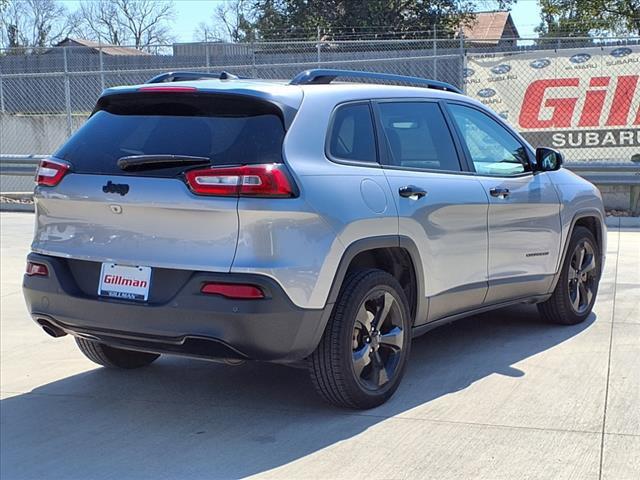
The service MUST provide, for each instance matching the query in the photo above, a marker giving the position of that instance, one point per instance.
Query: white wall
(35, 134)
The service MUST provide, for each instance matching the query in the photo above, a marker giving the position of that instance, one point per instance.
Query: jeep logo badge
(121, 188)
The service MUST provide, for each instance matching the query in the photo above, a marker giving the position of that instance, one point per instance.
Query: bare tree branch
(229, 22)
(206, 32)
(98, 22)
(140, 23)
(146, 20)
(34, 23)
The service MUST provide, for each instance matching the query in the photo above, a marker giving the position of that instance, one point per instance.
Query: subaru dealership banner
(585, 102)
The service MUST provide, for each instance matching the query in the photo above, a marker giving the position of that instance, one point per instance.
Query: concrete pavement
(497, 396)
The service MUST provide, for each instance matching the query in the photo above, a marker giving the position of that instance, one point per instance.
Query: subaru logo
(540, 63)
(468, 72)
(621, 52)
(486, 92)
(580, 58)
(501, 69)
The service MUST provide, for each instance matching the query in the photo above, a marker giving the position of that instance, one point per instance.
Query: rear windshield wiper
(149, 162)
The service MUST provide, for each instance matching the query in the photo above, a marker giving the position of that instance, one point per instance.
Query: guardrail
(19, 165)
(597, 173)
(606, 175)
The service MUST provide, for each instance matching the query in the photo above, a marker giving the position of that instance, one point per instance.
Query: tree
(140, 23)
(33, 23)
(99, 21)
(208, 32)
(281, 18)
(584, 18)
(623, 16)
(567, 18)
(230, 21)
(4, 4)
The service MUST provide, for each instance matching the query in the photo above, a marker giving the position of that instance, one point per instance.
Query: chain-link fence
(580, 95)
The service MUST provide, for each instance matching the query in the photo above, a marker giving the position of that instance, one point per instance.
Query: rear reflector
(268, 180)
(50, 172)
(167, 89)
(233, 290)
(37, 269)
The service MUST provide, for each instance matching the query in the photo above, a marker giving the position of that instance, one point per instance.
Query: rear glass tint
(229, 130)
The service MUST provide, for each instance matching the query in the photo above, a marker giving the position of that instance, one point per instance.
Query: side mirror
(548, 159)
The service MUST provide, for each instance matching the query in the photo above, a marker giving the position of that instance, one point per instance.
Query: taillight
(233, 290)
(50, 172)
(37, 269)
(269, 180)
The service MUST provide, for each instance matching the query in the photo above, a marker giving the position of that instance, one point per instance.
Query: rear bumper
(184, 321)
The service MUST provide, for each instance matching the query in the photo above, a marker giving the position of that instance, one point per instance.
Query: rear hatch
(143, 210)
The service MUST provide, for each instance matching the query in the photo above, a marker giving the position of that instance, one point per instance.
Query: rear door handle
(411, 191)
(499, 192)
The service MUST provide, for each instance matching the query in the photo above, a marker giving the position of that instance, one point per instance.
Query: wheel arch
(591, 219)
(397, 255)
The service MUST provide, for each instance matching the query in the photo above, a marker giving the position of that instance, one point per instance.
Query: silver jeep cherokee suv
(304, 222)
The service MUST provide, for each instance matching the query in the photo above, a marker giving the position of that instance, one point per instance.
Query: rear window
(229, 130)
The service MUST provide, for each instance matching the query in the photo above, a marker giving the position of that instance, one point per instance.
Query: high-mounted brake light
(167, 89)
(233, 290)
(37, 269)
(268, 180)
(50, 172)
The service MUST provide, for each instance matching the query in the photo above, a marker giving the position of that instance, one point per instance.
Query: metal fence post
(1, 95)
(206, 51)
(101, 68)
(2, 91)
(463, 62)
(435, 53)
(318, 45)
(254, 68)
(67, 92)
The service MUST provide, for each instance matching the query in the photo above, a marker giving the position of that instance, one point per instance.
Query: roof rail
(325, 76)
(183, 76)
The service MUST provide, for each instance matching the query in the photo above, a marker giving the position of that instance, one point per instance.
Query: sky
(525, 13)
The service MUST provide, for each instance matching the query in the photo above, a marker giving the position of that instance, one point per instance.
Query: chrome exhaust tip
(50, 328)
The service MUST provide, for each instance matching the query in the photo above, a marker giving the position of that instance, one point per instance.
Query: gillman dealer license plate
(123, 281)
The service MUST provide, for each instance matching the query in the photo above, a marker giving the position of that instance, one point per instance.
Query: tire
(561, 307)
(360, 361)
(114, 357)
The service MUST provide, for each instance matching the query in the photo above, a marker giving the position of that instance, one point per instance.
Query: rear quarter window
(351, 135)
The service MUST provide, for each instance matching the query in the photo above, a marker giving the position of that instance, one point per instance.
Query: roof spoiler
(325, 76)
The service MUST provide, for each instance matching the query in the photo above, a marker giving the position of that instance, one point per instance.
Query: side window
(493, 150)
(351, 136)
(418, 136)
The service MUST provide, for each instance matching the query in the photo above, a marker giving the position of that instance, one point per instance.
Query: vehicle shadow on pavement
(182, 418)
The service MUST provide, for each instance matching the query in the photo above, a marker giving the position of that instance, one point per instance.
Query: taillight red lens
(37, 269)
(268, 180)
(50, 172)
(233, 290)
